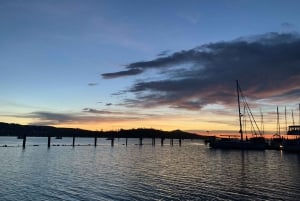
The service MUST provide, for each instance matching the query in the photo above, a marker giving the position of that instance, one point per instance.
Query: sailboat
(276, 140)
(255, 143)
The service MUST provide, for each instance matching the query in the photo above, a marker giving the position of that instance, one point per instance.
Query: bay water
(192, 171)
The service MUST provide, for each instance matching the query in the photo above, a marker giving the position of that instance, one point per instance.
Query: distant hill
(7, 129)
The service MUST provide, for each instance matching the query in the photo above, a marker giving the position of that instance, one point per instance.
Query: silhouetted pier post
(24, 141)
(126, 142)
(180, 141)
(141, 141)
(73, 143)
(171, 142)
(95, 141)
(112, 141)
(153, 141)
(49, 141)
(162, 141)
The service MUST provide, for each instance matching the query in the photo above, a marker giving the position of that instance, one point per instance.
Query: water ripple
(190, 172)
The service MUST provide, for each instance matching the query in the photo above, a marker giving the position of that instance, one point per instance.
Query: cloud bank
(87, 115)
(268, 66)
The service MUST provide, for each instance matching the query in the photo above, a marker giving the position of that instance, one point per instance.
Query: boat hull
(291, 145)
(236, 144)
(275, 143)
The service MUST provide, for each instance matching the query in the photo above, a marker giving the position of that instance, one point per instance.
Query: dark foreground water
(190, 172)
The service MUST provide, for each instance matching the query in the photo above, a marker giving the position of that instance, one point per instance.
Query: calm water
(190, 172)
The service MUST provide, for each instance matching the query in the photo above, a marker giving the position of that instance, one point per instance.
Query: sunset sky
(106, 65)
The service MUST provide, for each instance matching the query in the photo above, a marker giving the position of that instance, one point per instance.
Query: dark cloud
(169, 61)
(91, 110)
(92, 84)
(95, 111)
(131, 114)
(163, 53)
(52, 118)
(89, 115)
(133, 71)
(268, 66)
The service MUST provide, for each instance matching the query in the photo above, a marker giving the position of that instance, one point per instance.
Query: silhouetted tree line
(45, 131)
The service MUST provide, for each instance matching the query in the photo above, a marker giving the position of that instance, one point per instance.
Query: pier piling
(126, 142)
(141, 141)
(112, 141)
(171, 141)
(153, 141)
(49, 141)
(162, 141)
(73, 143)
(95, 141)
(179, 141)
(24, 141)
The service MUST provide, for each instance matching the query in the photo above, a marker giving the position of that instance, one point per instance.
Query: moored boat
(293, 144)
(275, 142)
(255, 143)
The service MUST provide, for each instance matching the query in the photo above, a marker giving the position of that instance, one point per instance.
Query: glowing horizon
(204, 122)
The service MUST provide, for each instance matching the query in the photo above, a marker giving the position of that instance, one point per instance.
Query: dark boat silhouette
(277, 139)
(276, 142)
(292, 145)
(255, 143)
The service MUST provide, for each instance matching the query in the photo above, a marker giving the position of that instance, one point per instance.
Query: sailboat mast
(293, 118)
(286, 128)
(278, 124)
(262, 122)
(239, 106)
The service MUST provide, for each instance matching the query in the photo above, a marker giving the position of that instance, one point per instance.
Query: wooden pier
(144, 136)
(140, 141)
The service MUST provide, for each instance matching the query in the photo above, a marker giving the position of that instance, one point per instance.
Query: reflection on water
(190, 172)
